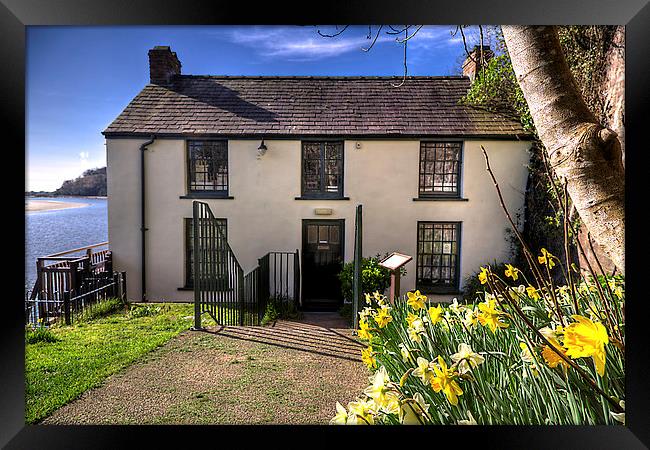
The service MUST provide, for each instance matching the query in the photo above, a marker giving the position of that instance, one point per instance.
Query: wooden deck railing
(64, 271)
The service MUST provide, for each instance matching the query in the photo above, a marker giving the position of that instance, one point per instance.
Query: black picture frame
(15, 15)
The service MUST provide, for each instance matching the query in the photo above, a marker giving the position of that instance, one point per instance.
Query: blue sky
(80, 78)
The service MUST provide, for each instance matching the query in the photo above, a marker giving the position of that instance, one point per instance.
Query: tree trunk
(579, 148)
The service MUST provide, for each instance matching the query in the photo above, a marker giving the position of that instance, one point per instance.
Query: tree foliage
(91, 183)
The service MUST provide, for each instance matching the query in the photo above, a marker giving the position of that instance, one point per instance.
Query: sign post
(394, 263)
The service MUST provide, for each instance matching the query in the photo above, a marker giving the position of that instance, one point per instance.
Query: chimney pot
(472, 64)
(163, 65)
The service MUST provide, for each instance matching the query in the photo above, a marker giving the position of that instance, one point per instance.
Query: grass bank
(86, 353)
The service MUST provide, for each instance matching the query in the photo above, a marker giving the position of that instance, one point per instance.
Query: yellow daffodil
(412, 411)
(489, 316)
(341, 417)
(445, 381)
(585, 338)
(365, 313)
(406, 355)
(466, 359)
(416, 300)
(380, 391)
(361, 412)
(471, 318)
(512, 272)
(552, 358)
(546, 258)
(455, 307)
(415, 329)
(532, 293)
(483, 275)
(424, 370)
(435, 314)
(364, 330)
(383, 316)
(368, 358)
(410, 318)
(470, 420)
(527, 357)
(368, 299)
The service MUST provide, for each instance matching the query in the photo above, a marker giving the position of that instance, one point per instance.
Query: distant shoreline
(50, 205)
(101, 197)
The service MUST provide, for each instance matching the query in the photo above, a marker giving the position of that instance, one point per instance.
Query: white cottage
(283, 161)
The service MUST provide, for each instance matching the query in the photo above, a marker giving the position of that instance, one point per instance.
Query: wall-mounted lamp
(261, 149)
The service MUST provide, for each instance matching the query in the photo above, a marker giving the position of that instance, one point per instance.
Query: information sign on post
(394, 263)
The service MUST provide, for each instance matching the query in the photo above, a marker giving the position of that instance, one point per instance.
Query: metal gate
(221, 288)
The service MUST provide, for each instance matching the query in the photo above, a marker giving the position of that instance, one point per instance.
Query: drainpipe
(143, 228)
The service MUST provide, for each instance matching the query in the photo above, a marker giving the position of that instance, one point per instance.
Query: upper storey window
(440, 169)
(322, 169)
(208, 166)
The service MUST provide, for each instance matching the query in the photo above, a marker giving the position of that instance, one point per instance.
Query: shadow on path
(318, 333)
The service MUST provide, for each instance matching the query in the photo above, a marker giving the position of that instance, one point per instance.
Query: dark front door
(322, 255)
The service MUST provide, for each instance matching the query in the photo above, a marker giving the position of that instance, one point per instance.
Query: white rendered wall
(264, 215)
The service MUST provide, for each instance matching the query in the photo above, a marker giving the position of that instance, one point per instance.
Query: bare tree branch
(335, 34)
(405, 44)
(375, 40)
(409, 37)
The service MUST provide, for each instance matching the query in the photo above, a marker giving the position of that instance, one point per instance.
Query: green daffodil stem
(578, 369)
(567, 253)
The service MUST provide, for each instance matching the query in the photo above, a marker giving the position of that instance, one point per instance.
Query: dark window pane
(322, 168)
(208, 165)
(439, 167)
(437, 248)
(312, 231)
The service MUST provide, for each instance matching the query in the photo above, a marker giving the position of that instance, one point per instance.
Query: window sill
(321, 198)
(207, 195)
(444, 199)
(440, 291)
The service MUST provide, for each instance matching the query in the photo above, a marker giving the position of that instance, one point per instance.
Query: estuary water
(54, 231)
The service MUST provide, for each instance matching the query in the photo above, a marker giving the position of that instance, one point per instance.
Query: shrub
(533, 354)
(39, 333)
(280, 307)
(373, 277)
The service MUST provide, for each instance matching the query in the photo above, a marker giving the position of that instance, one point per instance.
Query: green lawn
(87, 353)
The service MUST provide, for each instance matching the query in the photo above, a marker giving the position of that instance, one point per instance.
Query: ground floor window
(189, 247)
(438, 250)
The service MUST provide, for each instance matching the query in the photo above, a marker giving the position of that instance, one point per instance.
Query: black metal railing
(66, 305)
(223, 290)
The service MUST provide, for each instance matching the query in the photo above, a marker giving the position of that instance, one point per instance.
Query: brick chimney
(163, 65)
(472, 64)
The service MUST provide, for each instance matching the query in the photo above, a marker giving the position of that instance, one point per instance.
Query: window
(437, 263)
(440, 164)
(322, 169)
(189, 247)
(208, 166)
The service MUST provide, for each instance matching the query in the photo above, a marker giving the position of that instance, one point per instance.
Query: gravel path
(289, 373)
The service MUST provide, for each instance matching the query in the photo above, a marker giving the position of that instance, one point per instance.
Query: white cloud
(301, 43)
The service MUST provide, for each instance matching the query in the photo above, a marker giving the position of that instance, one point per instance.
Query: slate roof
(309, 106)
